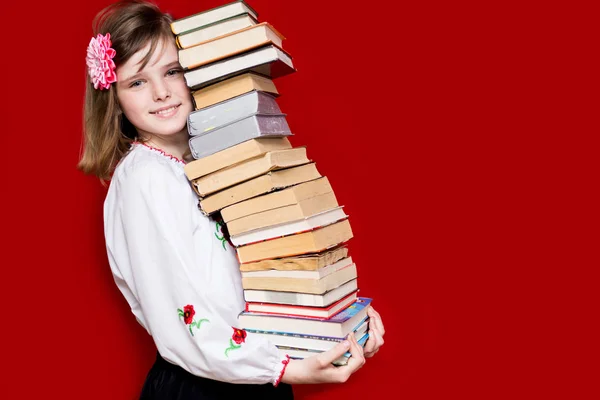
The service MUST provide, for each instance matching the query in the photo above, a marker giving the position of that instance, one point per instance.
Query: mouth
(167, 111)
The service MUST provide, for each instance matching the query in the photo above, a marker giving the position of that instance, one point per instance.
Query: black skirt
(167, 381)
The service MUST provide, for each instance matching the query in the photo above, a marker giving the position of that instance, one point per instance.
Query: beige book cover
(230, 176)
(280, 198)
(233, 155)
(301, 243)
(230, 45)
(311, 262)
(293, 212)
(272, 180)
(313, 286)
(233, 87)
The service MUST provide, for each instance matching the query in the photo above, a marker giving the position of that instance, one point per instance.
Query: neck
(176, 145)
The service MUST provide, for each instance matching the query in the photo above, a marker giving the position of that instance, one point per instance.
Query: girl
(182, 284)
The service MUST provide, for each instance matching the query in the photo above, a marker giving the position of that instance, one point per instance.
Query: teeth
(168, 110)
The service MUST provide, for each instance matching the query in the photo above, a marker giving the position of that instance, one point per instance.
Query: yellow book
(272, 180)
(302, 285)
(232, 87)
(241, 172)
(233, 155)
(229, 45)
(280, 215)
(281, 198)
(301, 243)
(308, 262)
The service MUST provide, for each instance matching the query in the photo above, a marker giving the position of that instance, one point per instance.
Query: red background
(454, 134)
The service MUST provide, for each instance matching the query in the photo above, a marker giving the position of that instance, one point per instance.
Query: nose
(161, 90)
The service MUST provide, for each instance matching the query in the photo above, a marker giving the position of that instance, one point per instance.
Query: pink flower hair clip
(101, 67)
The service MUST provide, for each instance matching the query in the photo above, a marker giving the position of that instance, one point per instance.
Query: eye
(173, 72)
(135, 84)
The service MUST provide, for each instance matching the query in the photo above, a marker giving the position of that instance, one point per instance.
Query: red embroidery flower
(188, 314)
(239, 336)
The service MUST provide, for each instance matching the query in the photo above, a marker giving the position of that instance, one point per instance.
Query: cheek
(183, 91)
(130, 106)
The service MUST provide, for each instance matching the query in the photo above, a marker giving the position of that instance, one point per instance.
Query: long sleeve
(159, 260)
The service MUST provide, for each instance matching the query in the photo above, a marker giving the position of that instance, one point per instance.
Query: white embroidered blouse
(179, 276)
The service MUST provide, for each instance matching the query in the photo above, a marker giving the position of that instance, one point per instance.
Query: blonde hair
(107, 134)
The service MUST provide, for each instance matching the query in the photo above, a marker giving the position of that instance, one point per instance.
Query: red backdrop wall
(421, 116)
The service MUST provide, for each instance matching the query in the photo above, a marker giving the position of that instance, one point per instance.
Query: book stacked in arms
(281, 214)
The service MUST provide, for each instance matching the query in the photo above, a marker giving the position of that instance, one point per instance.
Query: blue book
(337, 326)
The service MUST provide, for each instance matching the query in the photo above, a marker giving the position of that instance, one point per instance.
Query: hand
(319, 368)
(376, 332)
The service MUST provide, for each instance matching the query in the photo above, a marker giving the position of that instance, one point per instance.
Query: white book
(210, 16)
(313, 286)
(216, 29)
(229, 45)
(290, 228)
(303, 311)
(318, 274)
(320, 343)
(301, 299)
(268, 60)
(339, 325)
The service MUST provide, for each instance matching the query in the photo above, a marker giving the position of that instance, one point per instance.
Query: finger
(380, 321)
(358, 345)
(327, 357)
(371, 344)
(378, 342)
(357, 359)
(377, 322)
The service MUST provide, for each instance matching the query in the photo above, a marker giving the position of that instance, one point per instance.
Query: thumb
(329, 356)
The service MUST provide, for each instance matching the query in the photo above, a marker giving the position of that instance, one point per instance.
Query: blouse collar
(159, 151)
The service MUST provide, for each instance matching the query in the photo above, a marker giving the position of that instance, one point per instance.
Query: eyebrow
(136, 76)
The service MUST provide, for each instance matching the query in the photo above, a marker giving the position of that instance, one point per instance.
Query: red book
(303, 311)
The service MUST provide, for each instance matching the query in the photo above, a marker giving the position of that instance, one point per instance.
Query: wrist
(285, 363)
(292, 373)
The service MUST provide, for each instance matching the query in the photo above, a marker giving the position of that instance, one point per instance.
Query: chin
(171, 127)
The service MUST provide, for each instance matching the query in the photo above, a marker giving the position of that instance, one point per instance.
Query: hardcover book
(322, 343)
(251, 127)
(294, 222)
(238, 173)
(301, 299)
(230, 45)
(301, 243)
(270, 61)
(299, 354)
(281, 198)
(303, 311)
(300, 274)
(232, 87)
(210, 16)
(214, 29)
(308, 262)
(255, 102)
(233, 155)
(303, 285)
(272, 180)
(337, 326)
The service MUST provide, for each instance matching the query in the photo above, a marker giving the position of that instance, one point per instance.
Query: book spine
(327, 338)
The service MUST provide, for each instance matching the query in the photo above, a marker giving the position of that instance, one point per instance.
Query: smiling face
(155, 99)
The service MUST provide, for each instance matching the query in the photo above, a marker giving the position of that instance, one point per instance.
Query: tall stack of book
(290, 233)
